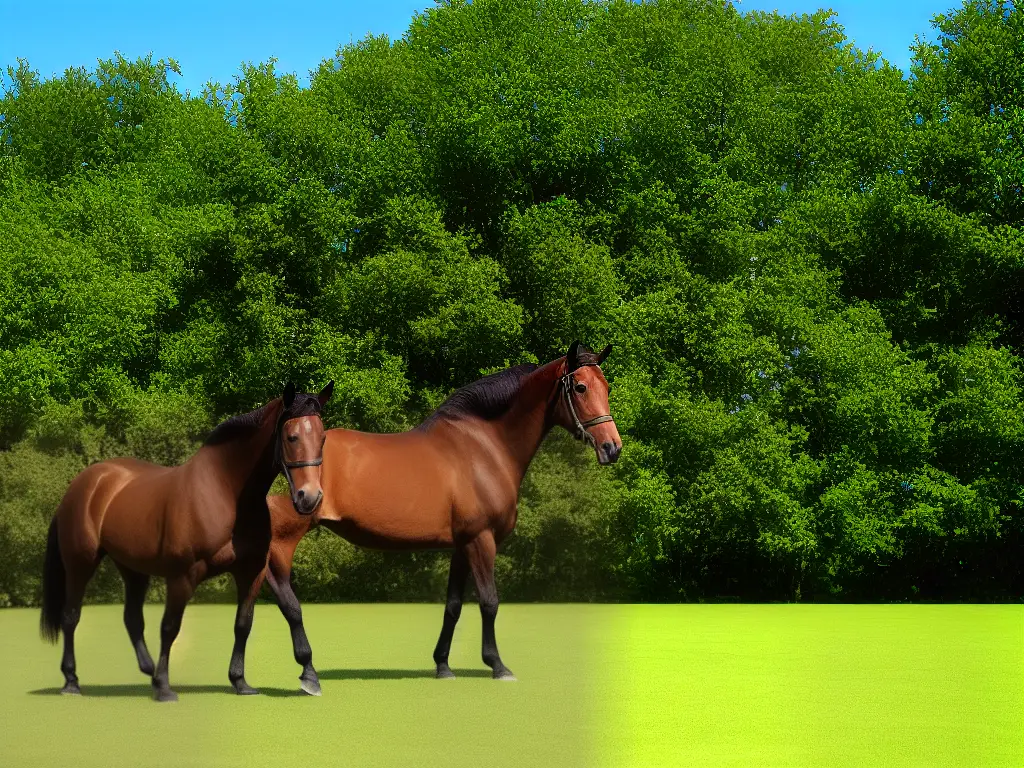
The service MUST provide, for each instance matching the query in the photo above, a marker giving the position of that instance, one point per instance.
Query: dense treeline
(810, 267)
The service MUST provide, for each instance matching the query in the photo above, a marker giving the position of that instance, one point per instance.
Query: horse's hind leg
(452, 611)
(77, 577)
(279, 578)
(482, 551)
(248, 582)
(135, 587)
(179, 591)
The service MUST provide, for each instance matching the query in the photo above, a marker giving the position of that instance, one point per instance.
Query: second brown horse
(450, 483)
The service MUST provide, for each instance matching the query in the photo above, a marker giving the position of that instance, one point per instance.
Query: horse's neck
(526, 424)
(248, 460)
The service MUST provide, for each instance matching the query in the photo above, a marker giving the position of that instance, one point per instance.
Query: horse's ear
(572, 361)
(604, 354)
(289, 395)
(325, 393)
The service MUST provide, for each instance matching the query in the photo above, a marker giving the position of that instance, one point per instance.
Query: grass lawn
(716, 685)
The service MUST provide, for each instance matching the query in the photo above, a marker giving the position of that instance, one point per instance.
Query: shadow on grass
(394, 674)
(144, 690)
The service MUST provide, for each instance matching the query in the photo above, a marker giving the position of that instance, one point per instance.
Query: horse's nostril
(300, 493)
(609, 448)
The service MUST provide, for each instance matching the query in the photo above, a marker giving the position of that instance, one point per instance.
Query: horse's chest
(505, 522)
(492, 488)
(244, 545)
(222, 540)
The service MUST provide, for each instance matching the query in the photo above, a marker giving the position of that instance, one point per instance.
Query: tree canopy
(810, 266)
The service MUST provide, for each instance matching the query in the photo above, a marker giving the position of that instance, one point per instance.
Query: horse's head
(300, 444)
(583, 402)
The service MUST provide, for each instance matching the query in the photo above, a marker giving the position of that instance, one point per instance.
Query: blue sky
(211, 39)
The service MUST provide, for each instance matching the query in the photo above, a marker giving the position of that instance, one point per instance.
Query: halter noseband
(286, 465)
(582, 428)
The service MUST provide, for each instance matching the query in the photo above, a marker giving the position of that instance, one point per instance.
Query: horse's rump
(117, 506)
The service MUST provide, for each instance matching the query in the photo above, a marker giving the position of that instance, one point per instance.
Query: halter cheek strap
(581, 427)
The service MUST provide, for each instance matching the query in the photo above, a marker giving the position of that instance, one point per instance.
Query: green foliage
(563, 547)
(810, 269)
(328, 568)
(31, 486)
(567, 286)
(428, 298)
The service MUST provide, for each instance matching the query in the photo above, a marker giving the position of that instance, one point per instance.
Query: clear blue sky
(211, 39)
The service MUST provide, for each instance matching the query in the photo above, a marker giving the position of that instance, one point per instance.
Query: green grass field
(715, 685)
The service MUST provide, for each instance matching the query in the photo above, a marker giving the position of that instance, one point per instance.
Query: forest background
(810, 266)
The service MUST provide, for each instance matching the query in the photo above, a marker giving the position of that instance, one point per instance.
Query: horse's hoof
(166, 695)
(311, 687)
(505, 675)
(247, 690)
(445, 673)
(71, 689)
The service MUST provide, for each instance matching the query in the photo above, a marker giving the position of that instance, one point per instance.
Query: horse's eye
(292, 438)
(581, 388)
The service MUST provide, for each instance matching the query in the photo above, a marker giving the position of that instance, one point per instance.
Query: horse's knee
(290, 607)
(453, 609)
(169, 626)
(243, 622)
(489, 608)
(287, 602)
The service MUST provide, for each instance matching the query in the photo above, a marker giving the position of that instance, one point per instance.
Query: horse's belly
(378, 533)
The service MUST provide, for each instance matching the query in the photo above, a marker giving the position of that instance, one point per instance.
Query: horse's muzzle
(306, 505)
(608, 453)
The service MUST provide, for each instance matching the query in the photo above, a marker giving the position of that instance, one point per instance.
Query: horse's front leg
(452, 611)
(279, 578)
(481, 551)
(248, 580)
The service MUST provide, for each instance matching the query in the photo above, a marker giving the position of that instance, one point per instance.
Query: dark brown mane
(244, 424)
(237, 427)
(486, 398)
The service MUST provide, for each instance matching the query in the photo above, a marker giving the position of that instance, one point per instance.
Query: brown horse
(451, 483)
(185, 524)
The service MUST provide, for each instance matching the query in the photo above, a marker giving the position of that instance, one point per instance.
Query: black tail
(54, 588)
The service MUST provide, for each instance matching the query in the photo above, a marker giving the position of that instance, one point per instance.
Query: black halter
(279, 454)
(581, 427)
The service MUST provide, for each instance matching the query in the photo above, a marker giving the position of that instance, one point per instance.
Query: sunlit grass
(815, 685)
